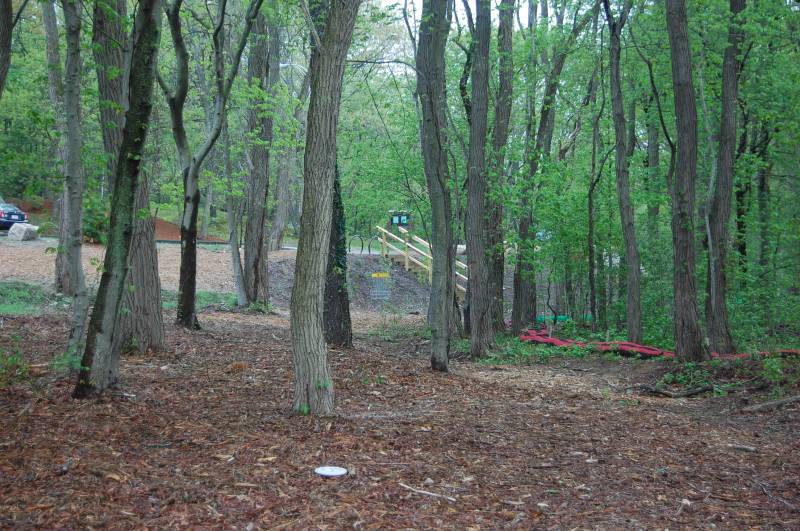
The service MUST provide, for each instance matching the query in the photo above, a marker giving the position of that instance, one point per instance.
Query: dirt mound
(170, 232)
(405, 292)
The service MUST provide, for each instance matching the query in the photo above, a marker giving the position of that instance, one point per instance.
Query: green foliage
(19, 298)
(510, 350)
(95, 218)
(12, 362)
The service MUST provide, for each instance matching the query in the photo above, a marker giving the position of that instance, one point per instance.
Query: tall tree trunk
(100, 364)
(6, 33)
(654, 175)
(139, 324)
(74, 185)
(232, 211)
(633, 308)
(109, 43)
(338, 329)
(432, 94)
(594, 180)
(762, 191)
(502, 117)
(480, 316)
(56, 94)
(287, 164)
(688, 335)
(287, 161)
(263, 72)
(313, 392)
(719, 213)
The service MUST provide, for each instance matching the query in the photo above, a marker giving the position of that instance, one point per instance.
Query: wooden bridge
(414, 254)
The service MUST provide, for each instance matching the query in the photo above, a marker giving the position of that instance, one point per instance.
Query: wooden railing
(414, 250)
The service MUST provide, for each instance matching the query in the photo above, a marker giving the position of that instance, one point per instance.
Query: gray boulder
(23, 232)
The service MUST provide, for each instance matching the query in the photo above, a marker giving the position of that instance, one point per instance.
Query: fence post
(384, 250)
(405, 247)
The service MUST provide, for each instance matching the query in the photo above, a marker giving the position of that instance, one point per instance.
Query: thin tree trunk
(100, 364)
(287, 160)
(654, 175)
(56, 95)
(719, 333)
(286, 168)
(633, 309)
(688, 335)
(524, 304)
(502, 117)
(74, 185)
(432, 94)
(313, 392)
(763, 199)
(231, 211)
(338, 328)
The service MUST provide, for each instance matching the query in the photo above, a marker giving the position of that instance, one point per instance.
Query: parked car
(10, 214)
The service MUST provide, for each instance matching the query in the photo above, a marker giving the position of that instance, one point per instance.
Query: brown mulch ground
(201, 437)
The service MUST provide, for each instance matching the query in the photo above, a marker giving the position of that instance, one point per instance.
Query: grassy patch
(20, 298)
(204, 299)
(391, 327)
(509, 350)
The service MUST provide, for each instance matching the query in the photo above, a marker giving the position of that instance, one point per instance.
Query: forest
(434, 263)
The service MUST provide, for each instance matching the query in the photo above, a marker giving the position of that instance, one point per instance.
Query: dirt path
(200, 436)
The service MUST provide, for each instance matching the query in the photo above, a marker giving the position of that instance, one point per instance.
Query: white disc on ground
(331, 471)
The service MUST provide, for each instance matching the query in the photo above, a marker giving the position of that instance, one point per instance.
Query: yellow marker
(382, 274)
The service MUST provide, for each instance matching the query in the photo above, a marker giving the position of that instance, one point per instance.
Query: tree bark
(502, 118)
(654, 175)
(313, 391)
(633, 308)
(74, 180)
(262, 72)
(6, 34)
(480, 316)
(55, 84)
(109, 43)
(140, 324)
(686, 324)
(100, 364)
(719, 213)
(338, 328)
(287, 165)
(432, 94)
(232, 214)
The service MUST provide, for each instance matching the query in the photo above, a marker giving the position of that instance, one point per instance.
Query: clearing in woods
(201, 436)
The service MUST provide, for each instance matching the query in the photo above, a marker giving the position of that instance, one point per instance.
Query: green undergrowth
(22, 298)
(509, 350)
(777, 376)
(203, 300)
(392, 327)
(12, 362)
